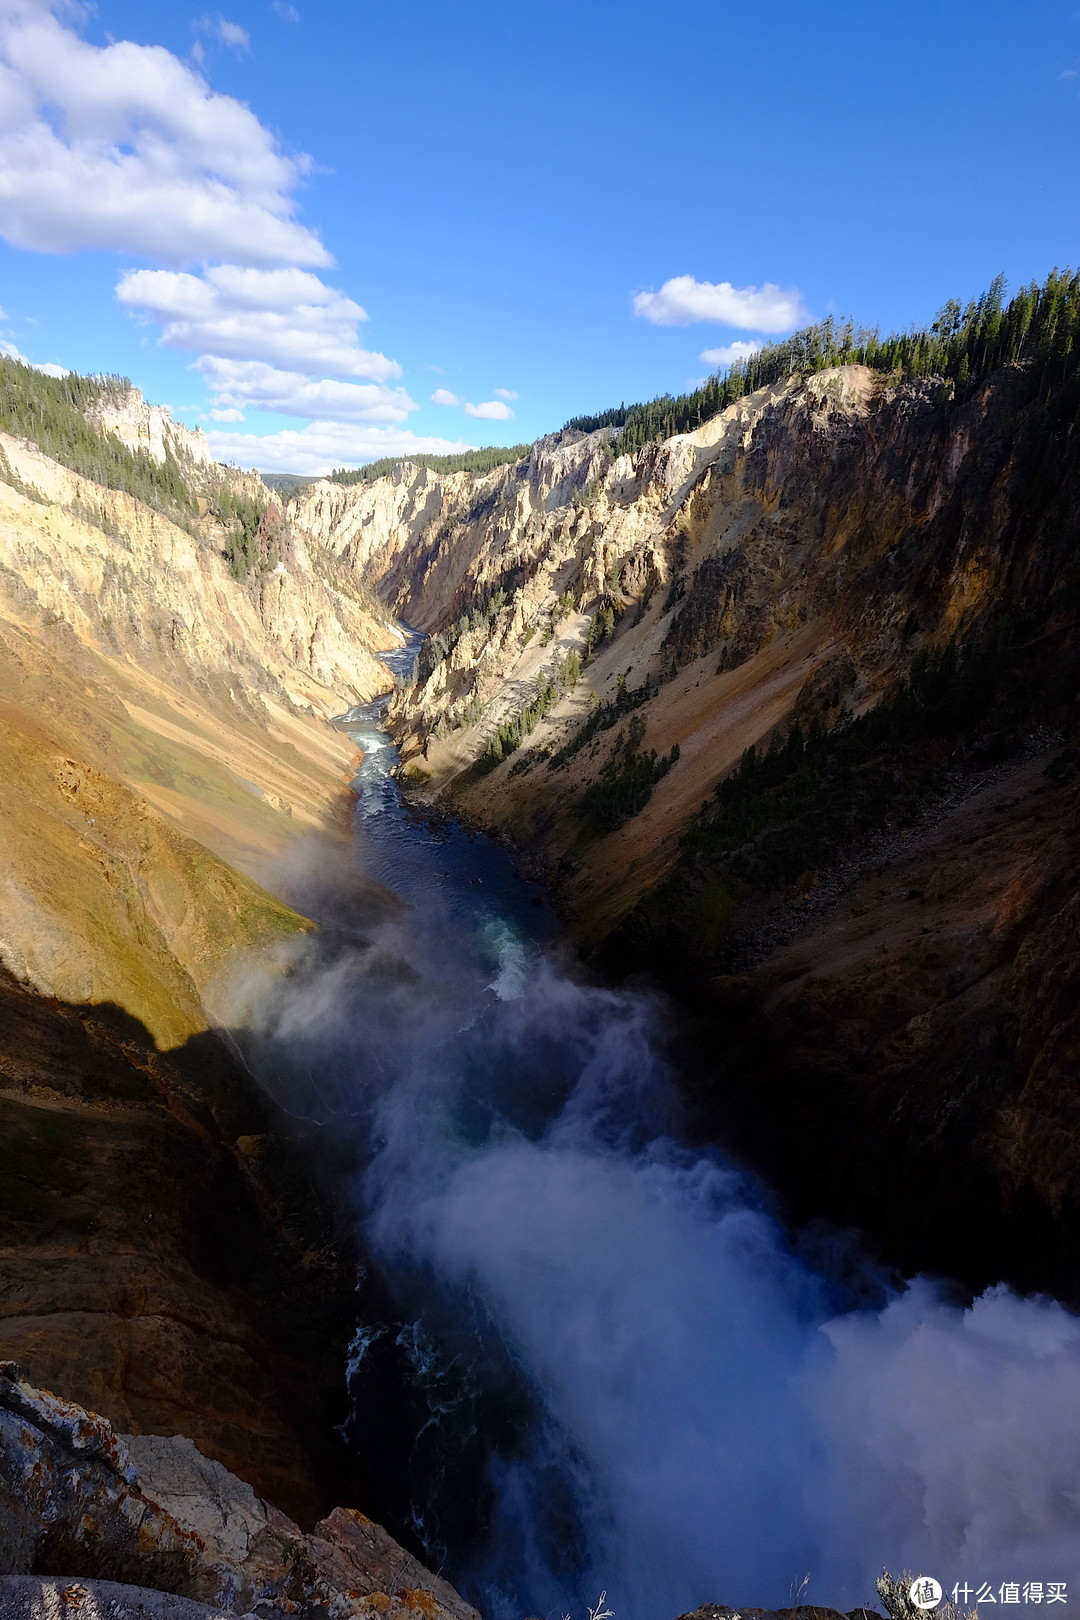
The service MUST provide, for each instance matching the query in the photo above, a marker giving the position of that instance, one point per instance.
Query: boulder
(152, 1519)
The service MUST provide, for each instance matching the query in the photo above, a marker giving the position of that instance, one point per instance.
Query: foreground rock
(37, 1597)
(152, 1513)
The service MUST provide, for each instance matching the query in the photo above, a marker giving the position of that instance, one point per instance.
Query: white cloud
(251, 384)
(504, 393)
(757, 309)
(287, 13)
(13, 353)
(284, 317)
(231, 34)
(492, 410)
(226, 32)
(125, 147)
(730, 352)
(322, 446)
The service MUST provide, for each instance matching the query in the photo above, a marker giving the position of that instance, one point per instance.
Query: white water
(709, 1423)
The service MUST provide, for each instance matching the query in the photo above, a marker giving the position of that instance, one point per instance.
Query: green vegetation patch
(787, 810)
(783, 808)
(602, 716)
(510, 734)
(287, 485)
(483, 614)
(253, 531)
(625, 785)
(12, 479)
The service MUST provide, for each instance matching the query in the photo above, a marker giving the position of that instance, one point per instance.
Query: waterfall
(625, 1378)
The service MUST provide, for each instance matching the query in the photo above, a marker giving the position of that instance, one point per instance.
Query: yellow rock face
(163, 737)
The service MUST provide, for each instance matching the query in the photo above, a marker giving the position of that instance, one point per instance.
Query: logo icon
(925, 1592)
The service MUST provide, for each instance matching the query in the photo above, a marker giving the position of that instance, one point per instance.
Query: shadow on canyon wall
(894, 1043)
(165, 1256)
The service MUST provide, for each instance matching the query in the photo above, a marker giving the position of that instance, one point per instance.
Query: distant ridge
(287, 484)
(475, 461)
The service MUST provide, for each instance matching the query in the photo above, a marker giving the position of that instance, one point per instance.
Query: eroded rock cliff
(122, 410)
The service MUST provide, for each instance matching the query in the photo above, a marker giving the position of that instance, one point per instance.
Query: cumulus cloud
(284, 317)
(491, 410)
(125, 147)
(504, 393)
(682, 300)
(729, 353)
(244, 384)
(322, 446)
(443, 396)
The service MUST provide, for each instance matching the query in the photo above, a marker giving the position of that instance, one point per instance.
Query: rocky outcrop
(37, 1597)
(79, 1501)
(429, 542)
(124, 412)
(675, 566)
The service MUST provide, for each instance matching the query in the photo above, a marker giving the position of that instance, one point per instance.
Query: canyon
(781, 712)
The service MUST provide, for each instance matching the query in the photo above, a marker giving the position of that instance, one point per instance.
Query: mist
(707, 1419)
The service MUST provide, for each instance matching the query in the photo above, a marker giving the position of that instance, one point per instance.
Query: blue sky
(493, 185)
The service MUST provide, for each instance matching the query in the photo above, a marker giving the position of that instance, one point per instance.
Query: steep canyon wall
(164, 745)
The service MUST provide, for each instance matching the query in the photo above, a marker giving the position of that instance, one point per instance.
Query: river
(598, 1366)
